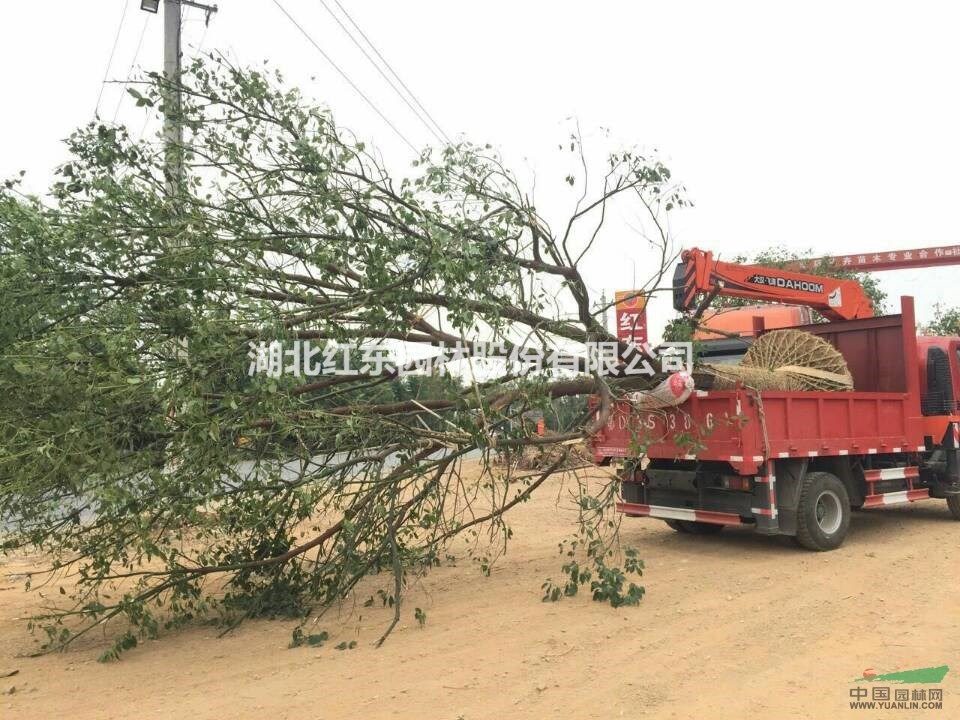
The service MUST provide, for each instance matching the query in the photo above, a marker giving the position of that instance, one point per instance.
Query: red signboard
(631, 316)
(890, 259)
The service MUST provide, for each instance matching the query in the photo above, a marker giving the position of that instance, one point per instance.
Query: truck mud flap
(766, 510)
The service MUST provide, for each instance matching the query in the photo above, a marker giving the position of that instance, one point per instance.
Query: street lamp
(153, 6)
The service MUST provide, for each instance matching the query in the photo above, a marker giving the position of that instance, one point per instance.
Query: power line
(203, 39)
(136, 54)
(344, 76)
(116, 39)
(206, 27)
(382, 73)
(390, 68)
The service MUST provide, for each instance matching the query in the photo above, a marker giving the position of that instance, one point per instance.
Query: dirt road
(732, 626)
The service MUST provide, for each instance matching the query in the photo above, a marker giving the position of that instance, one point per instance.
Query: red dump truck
(797, 463)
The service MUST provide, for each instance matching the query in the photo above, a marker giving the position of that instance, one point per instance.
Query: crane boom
(698, 274)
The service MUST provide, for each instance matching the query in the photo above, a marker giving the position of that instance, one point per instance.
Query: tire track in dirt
(733, 626)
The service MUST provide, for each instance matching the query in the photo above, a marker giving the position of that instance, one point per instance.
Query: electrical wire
(106, 71)
(392, 71)
(203, 39)
(206, 27)
(383, 74)
(136, 54)
(344, 75)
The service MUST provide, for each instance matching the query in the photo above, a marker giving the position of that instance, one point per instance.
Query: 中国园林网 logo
(881, 696)
(921, 675)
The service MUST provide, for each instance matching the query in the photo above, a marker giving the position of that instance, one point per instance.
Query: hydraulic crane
(700, 276)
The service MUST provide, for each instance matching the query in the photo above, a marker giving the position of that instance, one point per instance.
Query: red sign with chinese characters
(891, 259)
(631, 316)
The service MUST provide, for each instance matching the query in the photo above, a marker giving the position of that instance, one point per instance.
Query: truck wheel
(823, 516)
(675, 525)
(953, 502)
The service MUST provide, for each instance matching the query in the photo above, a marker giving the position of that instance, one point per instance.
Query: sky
(826, 126)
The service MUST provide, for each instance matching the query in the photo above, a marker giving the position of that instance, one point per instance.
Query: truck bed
(745, 428)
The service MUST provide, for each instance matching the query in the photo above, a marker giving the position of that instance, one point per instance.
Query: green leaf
(317, 639)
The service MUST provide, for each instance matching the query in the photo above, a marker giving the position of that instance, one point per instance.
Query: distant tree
(945, 323)
(678, 329)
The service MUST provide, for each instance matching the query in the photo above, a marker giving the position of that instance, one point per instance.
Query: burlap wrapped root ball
(789, 360)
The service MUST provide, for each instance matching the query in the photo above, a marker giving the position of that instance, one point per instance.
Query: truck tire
(953, 502)
(823, 514)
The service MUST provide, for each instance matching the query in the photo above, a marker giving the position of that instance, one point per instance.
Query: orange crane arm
(699, 274)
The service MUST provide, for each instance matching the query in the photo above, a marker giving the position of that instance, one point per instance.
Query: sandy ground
(732, 626)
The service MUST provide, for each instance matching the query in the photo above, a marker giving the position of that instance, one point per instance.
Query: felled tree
(139, 452)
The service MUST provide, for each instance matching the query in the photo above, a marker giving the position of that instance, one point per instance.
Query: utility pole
(173, 108)
(172, 120)
(172, 125)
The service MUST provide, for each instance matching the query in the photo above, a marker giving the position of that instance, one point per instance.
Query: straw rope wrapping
(789, 360)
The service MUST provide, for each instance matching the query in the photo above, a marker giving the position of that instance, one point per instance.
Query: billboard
(631, 316)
